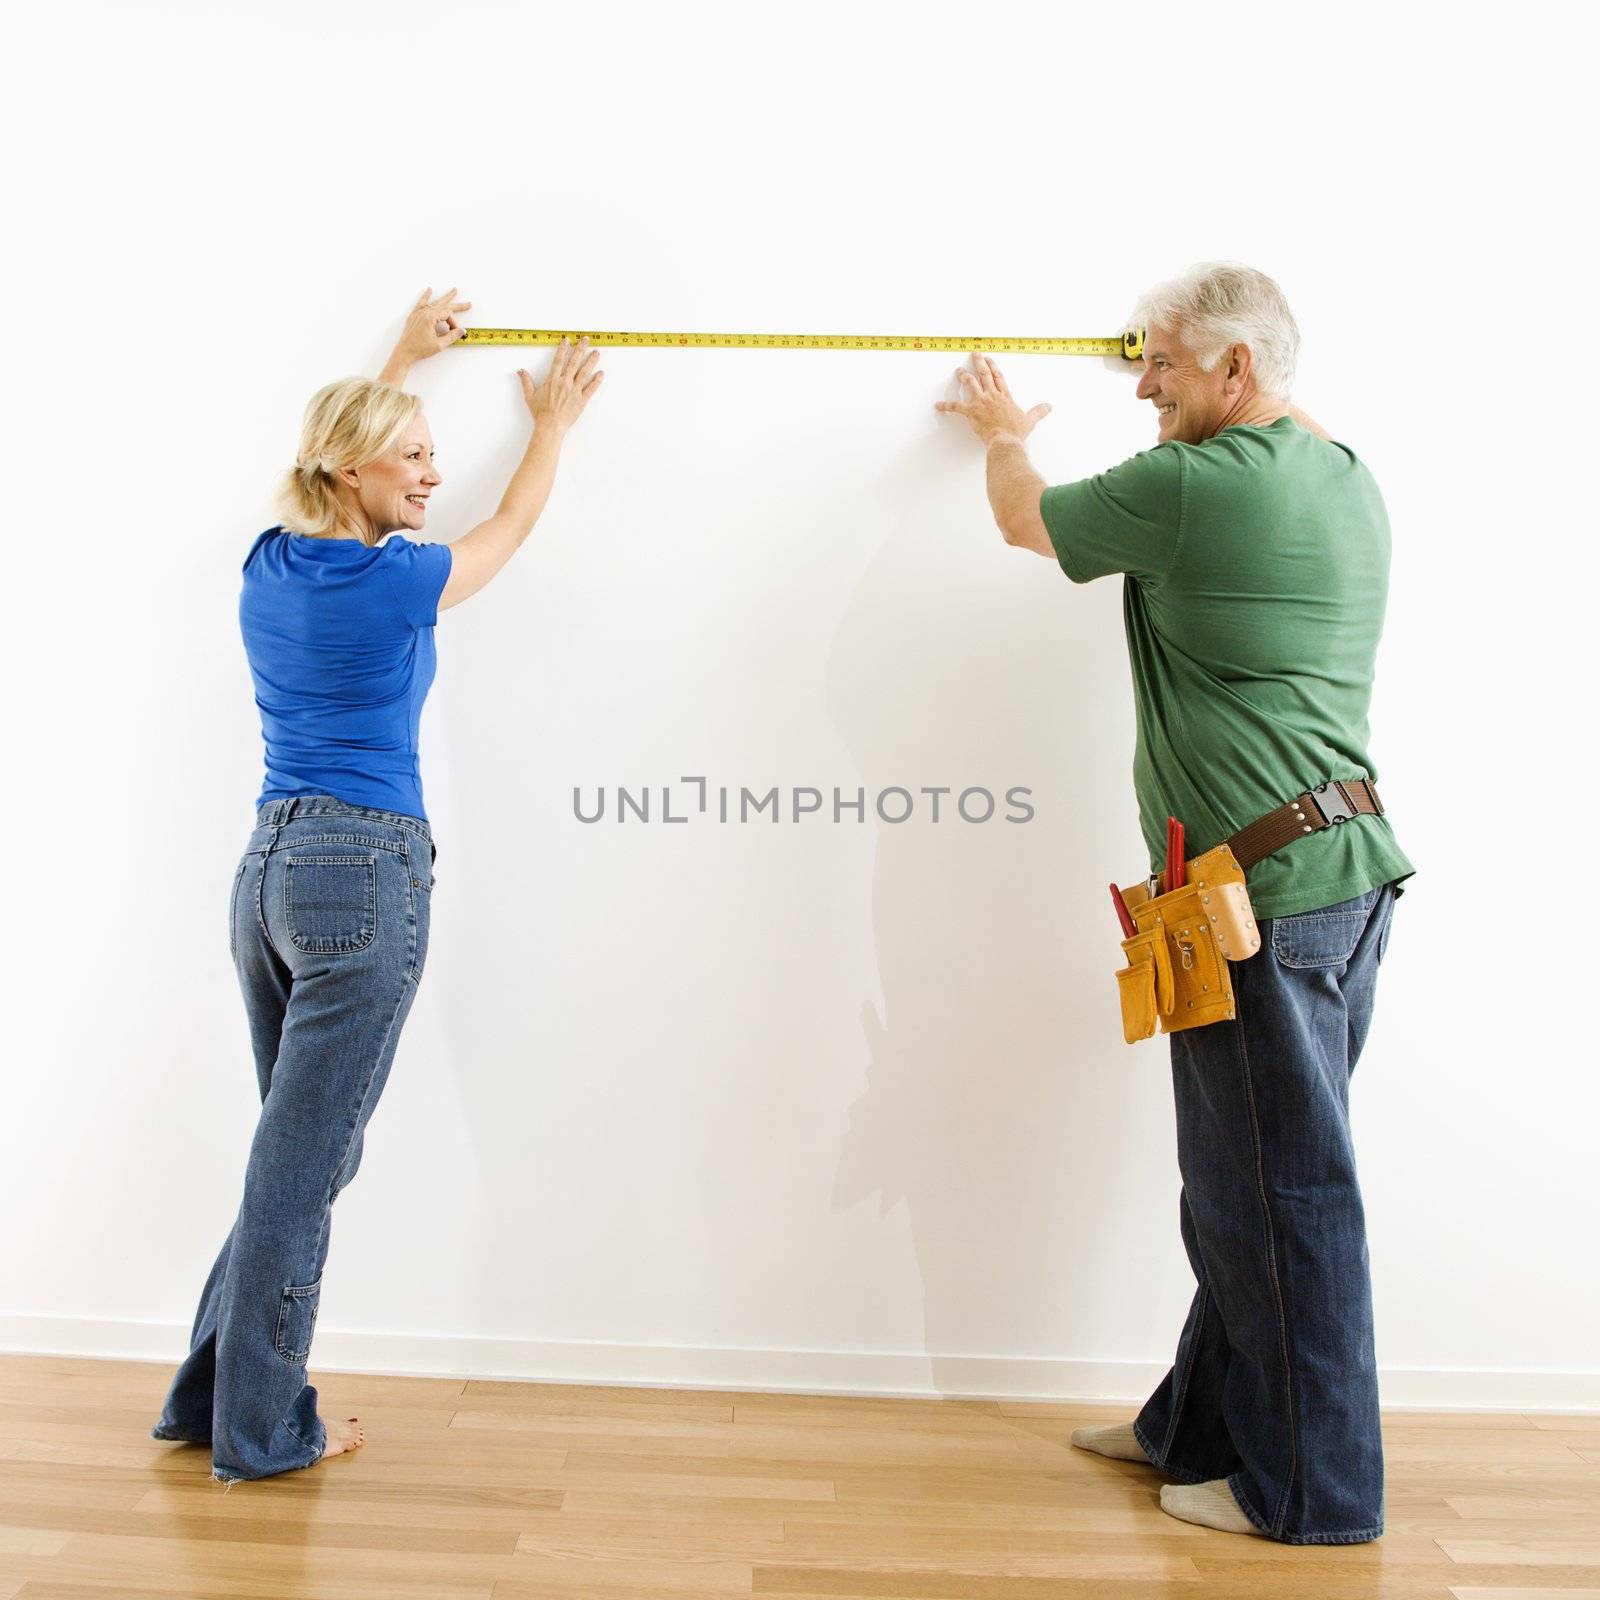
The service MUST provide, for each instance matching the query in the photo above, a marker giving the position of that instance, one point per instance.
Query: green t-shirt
(1257, 571)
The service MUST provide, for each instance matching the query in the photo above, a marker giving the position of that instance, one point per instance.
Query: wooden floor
(512, 1491)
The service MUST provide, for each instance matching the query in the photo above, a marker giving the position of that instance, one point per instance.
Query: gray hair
(1219, 303)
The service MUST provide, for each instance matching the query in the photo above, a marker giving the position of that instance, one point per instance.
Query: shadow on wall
(977, 1108)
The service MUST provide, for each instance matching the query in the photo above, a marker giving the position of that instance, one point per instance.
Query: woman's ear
(350, 476)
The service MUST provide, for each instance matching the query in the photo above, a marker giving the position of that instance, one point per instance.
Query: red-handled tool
(1129, 926)
(1176, 875)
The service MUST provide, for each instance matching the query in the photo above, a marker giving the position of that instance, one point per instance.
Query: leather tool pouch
(1177, 972)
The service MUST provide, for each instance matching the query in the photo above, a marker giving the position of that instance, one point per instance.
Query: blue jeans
(329, 932)
(1275, 1385)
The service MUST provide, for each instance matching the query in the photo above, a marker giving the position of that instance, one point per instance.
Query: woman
(329, 917)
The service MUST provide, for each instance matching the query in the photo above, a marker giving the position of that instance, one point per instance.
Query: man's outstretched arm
(1014, 491)
(1014, 487)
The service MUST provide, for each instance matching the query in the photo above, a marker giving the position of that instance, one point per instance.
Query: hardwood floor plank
(265, 1569)
(631, 1534)
(1580, 1476)
(1573, 1525)
(376, 1507)
(1526, 1508)
(37, 1590)
(111, 1584)
(1472, 1592)
(576, 1570)
(1444, 1421)
(1537, 1551)
(1012, 1589)
(26, 1539)
(1087, 1414)
(667, 1423)
(985, 1525)
(1320, 1580)
(583, 1395)
(872, 1584)
(919, 1416)
(1449, 1446)
(55, 1524)
(541, 1404)
(1460, 1592)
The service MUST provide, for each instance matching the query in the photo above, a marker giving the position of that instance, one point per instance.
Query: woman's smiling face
(393, 490)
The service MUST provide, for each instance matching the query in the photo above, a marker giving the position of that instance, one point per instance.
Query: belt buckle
(1335, 806)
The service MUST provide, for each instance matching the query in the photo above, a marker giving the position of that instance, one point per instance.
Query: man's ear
(1238, 375)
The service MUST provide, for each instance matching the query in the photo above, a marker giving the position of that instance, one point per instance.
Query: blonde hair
(347, 424)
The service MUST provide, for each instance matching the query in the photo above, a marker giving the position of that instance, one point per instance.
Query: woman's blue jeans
(1275, 1385)
(329, 921)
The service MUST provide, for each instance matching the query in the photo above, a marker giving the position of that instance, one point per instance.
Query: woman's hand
(431, 326)
(558, 402)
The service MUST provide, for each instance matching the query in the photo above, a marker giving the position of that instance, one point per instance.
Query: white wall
(821, 1104)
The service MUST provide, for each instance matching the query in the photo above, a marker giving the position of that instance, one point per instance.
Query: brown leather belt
(1323, 807)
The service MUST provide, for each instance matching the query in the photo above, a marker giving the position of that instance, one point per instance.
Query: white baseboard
(778, 1371)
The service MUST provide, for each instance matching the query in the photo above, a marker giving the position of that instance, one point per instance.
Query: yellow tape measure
(1130, 345)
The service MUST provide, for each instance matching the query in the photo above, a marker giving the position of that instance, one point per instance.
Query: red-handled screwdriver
(1129, 926)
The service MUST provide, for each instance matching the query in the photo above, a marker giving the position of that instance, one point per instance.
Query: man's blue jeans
(1275, 1385)
(329, 920)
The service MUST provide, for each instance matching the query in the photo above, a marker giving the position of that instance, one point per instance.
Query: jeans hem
(223, 1476)
(1360, 1536)
(1165, 1468)
(241, 1477)
(172, 1436)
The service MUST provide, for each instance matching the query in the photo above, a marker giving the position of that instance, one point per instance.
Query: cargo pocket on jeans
(330, 903)
(297, 1317)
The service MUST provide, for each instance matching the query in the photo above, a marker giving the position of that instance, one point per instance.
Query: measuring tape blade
(1130, 345)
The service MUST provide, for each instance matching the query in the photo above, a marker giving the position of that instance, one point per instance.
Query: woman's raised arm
(554, 405)
(431, 326)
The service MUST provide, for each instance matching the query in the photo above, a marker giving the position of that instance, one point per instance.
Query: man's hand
(987, 404)
(430, 327)
(1014, 487)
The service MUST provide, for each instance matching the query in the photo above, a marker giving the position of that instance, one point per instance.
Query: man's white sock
(1211, 1504)
(1116, 1441)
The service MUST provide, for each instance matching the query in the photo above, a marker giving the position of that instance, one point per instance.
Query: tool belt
(1177, 972)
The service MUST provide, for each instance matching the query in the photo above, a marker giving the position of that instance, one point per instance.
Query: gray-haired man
(1256, 557)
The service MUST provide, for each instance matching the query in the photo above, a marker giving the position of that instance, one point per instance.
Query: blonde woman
(330, 907)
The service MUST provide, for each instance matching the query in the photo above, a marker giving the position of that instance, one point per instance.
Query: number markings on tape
(1128, 345)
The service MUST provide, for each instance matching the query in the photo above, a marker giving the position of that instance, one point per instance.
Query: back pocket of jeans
(297, 1317)
(1321, 938)
(233, 911)
(330, 903)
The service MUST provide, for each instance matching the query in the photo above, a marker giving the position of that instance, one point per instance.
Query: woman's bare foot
(343, 1436)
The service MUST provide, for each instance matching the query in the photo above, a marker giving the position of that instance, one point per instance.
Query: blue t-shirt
(339, 636)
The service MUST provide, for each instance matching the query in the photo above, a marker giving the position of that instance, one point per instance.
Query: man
(1256, 555)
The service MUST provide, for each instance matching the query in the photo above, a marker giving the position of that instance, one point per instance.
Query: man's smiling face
(1192, 405)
